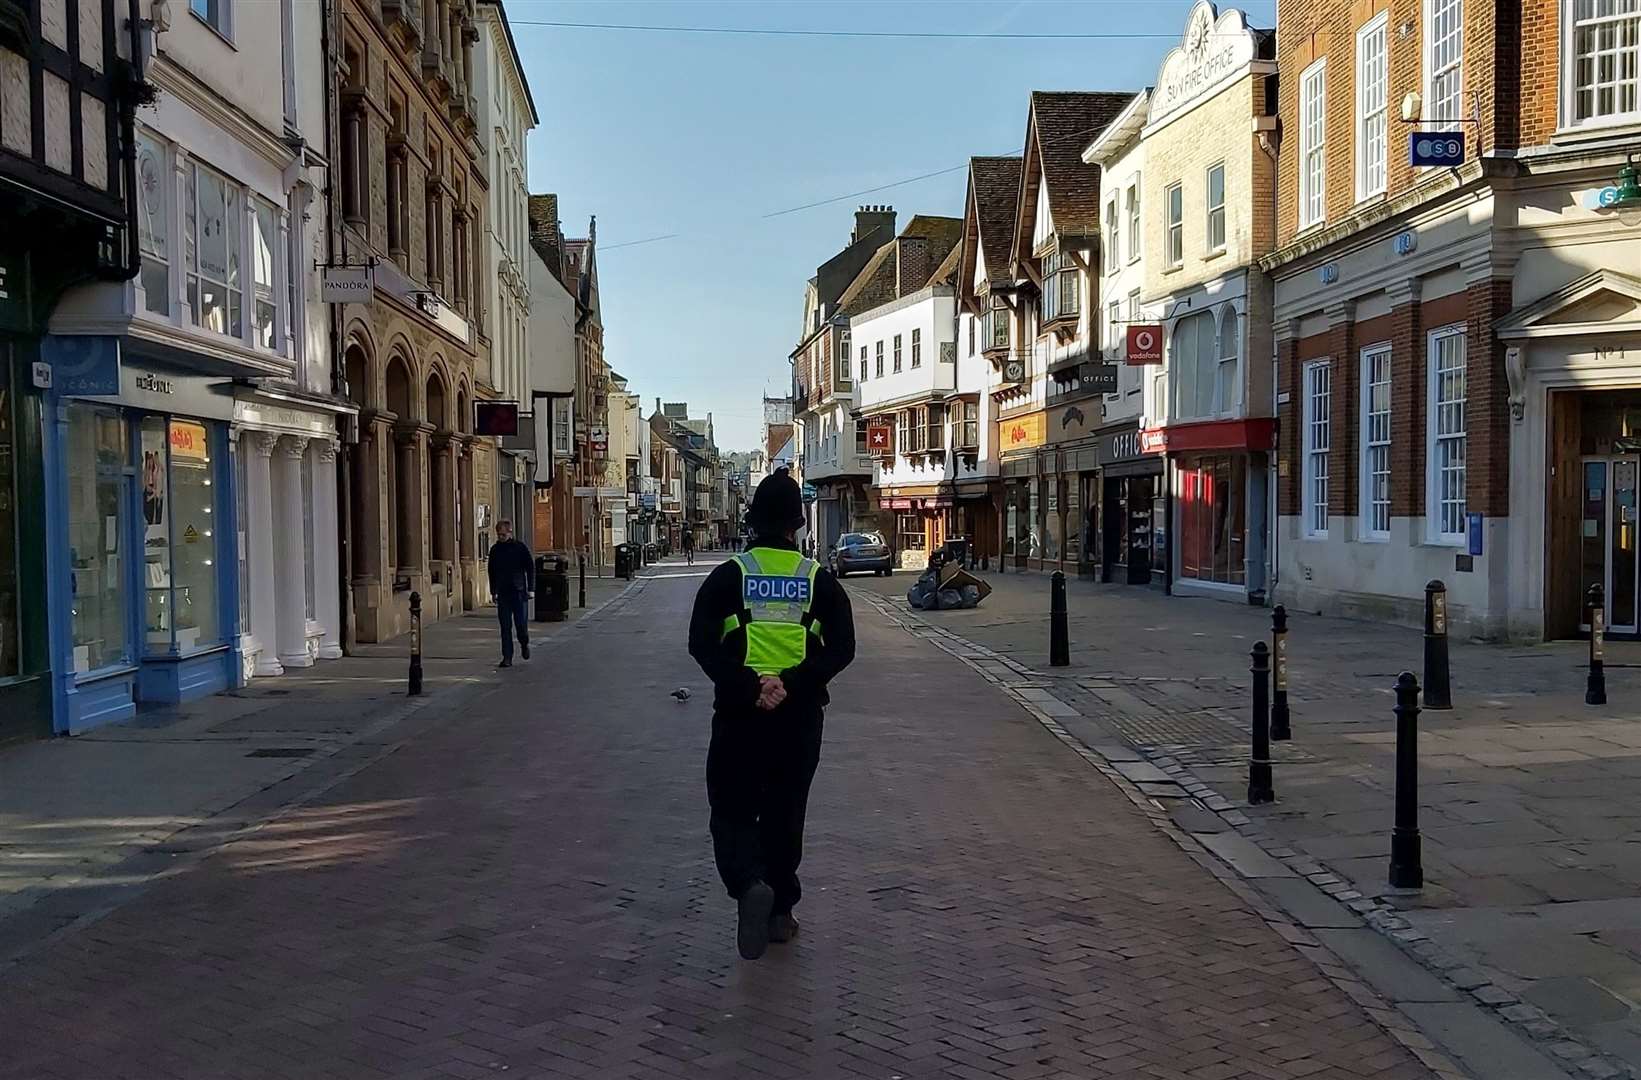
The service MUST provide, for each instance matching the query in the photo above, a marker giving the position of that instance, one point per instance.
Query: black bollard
(1059, 635)
(1259, 764)
(1406, 863)
(1438, 694)
(1280, 729)
(415, 644)
(1595, 688)
(581, 578)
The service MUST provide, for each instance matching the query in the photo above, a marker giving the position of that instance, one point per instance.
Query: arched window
(1227, 383)
(435, 403)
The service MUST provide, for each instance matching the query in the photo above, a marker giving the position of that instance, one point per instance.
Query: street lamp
(1629, 188)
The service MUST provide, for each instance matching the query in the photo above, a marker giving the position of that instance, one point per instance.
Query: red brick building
(1458, 349)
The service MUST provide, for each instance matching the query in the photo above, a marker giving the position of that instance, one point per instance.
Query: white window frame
(1436, 116)
(1175, 253)
(1113, 236)
(1375, 447)
(1570, 120)
(165, 204)
(1435, 505)
(1313, 144)
(223, 24)
(1317, 432)
(917, 347)
(1215, 246)
(1372, 108)
(1228, 352)
(1133, 198)
(1113, 313)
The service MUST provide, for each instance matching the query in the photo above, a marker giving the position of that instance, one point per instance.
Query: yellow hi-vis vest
(777, 589)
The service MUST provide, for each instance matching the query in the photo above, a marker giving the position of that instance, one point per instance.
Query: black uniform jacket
(724, 658)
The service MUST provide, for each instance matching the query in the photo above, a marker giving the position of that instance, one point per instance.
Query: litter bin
(624, 561)
(552, 587)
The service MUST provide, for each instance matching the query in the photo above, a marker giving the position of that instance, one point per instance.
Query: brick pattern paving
(528, 888)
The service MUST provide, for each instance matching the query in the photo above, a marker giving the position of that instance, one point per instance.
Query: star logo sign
(879, 440)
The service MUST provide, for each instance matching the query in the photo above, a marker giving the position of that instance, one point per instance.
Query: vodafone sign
(1144, 345)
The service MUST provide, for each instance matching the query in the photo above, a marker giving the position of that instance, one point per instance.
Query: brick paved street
(1530, 799)
(526, 887)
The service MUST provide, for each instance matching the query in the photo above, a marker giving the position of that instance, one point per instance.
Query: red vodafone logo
(1144, 344)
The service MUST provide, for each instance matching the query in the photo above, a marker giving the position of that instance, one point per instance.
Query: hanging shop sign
(496, 418)
(1144, 344)
(346, 285)
(880, 440)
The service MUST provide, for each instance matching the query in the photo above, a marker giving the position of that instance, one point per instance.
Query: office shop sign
(1212, 52)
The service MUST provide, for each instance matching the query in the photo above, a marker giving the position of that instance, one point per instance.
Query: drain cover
(281, 751)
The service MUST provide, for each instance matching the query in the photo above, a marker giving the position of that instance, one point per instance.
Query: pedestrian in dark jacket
(771, 629)
(512, 573)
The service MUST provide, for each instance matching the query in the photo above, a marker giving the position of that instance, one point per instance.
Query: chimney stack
(912, 264)
(877, 222)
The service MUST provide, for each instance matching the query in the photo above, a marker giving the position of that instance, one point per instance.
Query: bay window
(996, 331)
(264, 246)
(1602, 61)
(969, 436)
(154, 222)
(1062, 296)
(211, 252)
(934, 427)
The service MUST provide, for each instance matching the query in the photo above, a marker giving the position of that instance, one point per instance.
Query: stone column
(258, 446)
(325, 548)
(290, 553)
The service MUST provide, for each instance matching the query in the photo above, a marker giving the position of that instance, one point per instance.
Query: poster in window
(153, 487)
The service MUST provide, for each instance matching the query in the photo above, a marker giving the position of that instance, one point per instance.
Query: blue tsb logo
(767, 588)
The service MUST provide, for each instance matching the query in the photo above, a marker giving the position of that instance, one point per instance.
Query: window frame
(1174, 256)
(878, 371)
(897, 354)
(1313, 191)
(1434, 533)
(1429, 75)
(862, 364)
(1113, 253)
(1132, 197)
(223, 26)
(844, 374)
(1315, 475)
(1567, 110)
(1210, 209)
(165, 202)
(917, 347)
(1367, 472)
(235, 224)
(1367, 186)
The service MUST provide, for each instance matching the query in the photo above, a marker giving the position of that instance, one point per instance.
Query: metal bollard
(581, 578)
(1595, 688)
(415, 644)
(1438, 693)
(1280, 729)
(1259, 764)
(1059, 635)
(1406, 863)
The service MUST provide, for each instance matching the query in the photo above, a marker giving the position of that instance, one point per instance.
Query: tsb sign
(769, 588)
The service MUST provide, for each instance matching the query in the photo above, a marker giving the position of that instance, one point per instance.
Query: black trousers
(511, 610)
(759, 768)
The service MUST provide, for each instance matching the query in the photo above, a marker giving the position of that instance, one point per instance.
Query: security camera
(1412, 105)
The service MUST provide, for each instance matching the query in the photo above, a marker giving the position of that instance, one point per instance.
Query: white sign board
(1213, 51)
(346, 285)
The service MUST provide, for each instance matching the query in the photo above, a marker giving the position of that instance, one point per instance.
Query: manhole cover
(281, 751)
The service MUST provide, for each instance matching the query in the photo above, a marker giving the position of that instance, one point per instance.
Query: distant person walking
(689, 546)
(771, 628)
(511, 570)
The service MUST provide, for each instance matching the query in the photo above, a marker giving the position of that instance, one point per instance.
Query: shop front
(1220, 494)
(919, 515)
(141, 521)
(1027, 493)
(1129, 528)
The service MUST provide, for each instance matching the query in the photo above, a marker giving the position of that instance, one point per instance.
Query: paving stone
(1245, 857)
(1390, 971)
(1309, 906)
(1485, 1046)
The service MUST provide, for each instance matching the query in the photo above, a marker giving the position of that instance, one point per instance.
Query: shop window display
(179, 536)
(96, 450)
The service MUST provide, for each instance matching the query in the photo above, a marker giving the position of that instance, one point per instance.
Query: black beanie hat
(777, 505)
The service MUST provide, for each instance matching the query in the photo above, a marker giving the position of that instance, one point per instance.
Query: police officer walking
(771, 628)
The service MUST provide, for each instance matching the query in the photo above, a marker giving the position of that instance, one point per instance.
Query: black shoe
(524, 649)
(782, 928)
(507, 661)
(752, 933)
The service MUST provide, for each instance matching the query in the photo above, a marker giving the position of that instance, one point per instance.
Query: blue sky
(702, 135)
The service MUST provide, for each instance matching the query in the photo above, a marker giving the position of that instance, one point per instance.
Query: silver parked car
(862, 552)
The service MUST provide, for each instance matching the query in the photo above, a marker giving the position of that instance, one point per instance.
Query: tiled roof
(874, 284)
(994, 189)
(946, 272)
(1062, 124)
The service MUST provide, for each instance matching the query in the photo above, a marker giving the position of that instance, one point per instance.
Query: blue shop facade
(141, 520)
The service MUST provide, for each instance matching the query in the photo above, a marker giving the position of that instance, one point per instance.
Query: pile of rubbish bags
(946, 586)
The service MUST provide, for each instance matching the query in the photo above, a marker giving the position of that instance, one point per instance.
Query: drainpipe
(338, 365)
(1270, 141)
